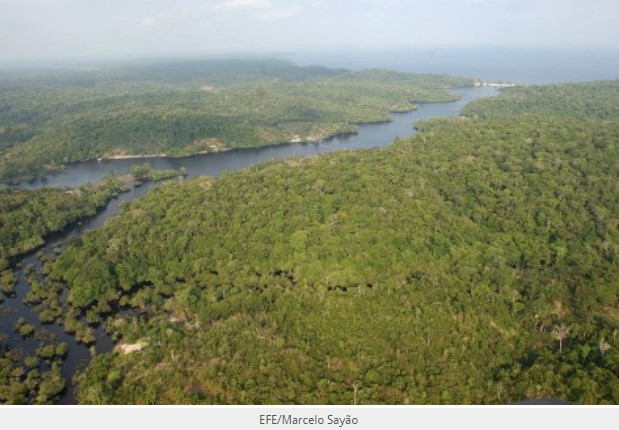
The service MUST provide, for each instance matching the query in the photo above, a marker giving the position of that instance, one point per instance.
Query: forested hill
(50, 119)
(590, 100)
(476, 262)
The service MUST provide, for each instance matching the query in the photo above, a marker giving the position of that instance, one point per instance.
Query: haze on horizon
(49, 29)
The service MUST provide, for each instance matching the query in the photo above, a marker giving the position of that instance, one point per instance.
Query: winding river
(368, 136)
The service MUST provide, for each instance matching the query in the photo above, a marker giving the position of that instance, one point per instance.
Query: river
(368, 136)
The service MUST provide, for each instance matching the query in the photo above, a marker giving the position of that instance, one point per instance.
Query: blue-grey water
(520, 65)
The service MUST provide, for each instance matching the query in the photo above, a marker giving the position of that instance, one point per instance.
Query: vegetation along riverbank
(475, 262)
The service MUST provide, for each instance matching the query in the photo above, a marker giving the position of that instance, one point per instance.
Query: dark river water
(368, 136)
(79, 355)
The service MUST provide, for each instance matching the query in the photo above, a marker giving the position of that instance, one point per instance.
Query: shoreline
(270, 145)
(161, 155)
(62, 168)
(309, 140)
(127, 157)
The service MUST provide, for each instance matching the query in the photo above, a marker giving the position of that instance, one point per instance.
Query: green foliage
(590, 100)
(145, 172)
(210, 106)
(52, 351)
(24, 329)
(27, 217)
(8, 280)
(26, 380)
(51, 385)
(433, 271)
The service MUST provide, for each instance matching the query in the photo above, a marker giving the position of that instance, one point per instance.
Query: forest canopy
(590, 100)
(476, 262)
(28, 217)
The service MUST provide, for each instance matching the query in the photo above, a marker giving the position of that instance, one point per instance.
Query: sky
(31, 29)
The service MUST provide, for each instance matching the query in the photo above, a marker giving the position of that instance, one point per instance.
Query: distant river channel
(368, 136)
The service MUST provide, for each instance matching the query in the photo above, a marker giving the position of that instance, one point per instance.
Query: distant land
(492, 64)
(54, 117)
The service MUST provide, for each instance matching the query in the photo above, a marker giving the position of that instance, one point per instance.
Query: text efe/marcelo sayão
(289, 419)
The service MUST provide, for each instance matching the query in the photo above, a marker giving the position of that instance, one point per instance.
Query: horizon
(50, 30)
(516, 64)
(309, 50)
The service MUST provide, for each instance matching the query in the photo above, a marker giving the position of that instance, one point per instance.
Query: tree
(560, 333)
(604, 347)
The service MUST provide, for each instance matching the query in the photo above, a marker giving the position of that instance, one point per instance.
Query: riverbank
(129, 157)
(367, 136)
(15, 306)
(214, 163)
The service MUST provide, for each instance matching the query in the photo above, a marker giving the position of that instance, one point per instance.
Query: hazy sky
(69, 28)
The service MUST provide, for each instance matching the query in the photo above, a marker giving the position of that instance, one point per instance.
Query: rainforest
(475, 262)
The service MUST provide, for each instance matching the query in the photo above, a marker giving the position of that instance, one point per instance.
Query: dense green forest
(591, 100)
(27, 217)
(48, 120)
(476, 262)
